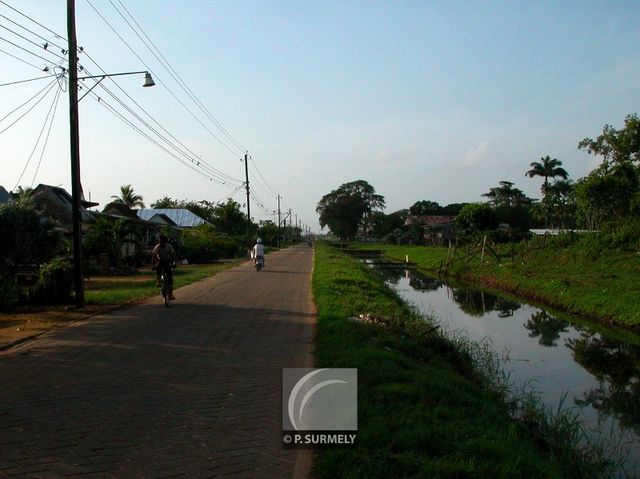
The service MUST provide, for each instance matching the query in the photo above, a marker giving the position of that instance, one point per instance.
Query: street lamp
(74, 137)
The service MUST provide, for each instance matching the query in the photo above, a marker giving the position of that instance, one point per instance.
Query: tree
(228, 218)
(128, 197)
(547, 168)
(561, 202)
(425, 207)
(166, 202)
(616, 146)
(384, 225)
(348, 207)
(475, 217)
(507, 195)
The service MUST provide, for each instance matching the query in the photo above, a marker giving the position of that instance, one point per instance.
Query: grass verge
(114, 290)
(424, 408)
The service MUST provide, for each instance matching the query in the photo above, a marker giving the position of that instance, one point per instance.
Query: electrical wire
(149, 138)
(20, 59)
(49, 86)
(32, 42)
(37, 23)
(46, 140)
(262, 177)
(25, 81)
(47, 41)
(29, 52)
(197, 163)
(174, 74)
(55, 102)
(159, 80)
(213, 170)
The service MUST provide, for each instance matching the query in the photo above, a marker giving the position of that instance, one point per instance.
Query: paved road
(193, 391)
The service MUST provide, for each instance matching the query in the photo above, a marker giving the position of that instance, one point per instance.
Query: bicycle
(167, 285)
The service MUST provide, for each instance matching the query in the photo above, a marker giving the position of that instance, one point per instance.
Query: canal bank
(425, 408)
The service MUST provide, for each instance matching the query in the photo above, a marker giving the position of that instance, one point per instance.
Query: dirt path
(190, 391)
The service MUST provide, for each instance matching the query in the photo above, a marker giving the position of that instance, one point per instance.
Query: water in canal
(598, 372)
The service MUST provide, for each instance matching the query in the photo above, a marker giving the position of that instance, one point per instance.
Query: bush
(55, 282)
(203, 245)
(8, 292)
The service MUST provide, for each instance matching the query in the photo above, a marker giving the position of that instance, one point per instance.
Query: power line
(213, 170)
(262, 177)
(46, 120)
(48, 41)
(32, 42)
(163, 61)
(20, 59)
(30, 52)
(49, 86)
(29, 18)
(25, 81)
(198, 163)
(157, 77)
(46, 140)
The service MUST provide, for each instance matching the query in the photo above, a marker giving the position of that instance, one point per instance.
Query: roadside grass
(113, 290)
(422, 408)
(603, 287)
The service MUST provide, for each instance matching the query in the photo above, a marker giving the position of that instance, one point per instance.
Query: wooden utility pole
(74, 136)
(246, 174)
(279, 220)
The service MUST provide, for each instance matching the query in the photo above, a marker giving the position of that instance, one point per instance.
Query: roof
(55, 202)
(121, 210)
(429, 220)
(5, 197)
(180, 216)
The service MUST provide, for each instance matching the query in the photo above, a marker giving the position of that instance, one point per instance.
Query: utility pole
(279, 220)
(290, 227)
(74, 135)
(246, 174)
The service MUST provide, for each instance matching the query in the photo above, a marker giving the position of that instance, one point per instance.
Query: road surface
(190, 391)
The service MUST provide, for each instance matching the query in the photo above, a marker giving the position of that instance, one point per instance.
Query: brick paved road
(193, 391)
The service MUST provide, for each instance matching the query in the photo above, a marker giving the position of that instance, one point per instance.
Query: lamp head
(148, 81)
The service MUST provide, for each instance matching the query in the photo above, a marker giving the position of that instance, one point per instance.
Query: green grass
(422, 411)
(114, 290)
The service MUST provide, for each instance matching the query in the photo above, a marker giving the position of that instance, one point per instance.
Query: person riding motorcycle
(258, 251)
(163, 257)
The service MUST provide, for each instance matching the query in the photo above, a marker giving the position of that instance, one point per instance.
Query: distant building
(56, 203)
(181, 217)
(5, 196)
(438, 229)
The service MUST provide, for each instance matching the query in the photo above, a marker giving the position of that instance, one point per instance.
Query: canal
(568, 362)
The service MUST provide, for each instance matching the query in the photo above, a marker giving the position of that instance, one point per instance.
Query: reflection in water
(599, 373)
(478, 303)
(547, 327)
(616, 365)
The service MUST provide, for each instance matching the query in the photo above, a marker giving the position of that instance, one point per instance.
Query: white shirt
(258, 250)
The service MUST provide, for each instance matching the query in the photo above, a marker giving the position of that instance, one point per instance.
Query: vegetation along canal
(568, 363)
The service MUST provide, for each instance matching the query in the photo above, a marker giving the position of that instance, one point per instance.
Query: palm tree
(547, 168)
(128, 197)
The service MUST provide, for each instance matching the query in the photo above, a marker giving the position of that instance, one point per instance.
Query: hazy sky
(423, 99)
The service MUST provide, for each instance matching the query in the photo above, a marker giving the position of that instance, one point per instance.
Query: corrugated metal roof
(180, 216)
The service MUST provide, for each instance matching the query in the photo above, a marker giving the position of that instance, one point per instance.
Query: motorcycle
(259, 263)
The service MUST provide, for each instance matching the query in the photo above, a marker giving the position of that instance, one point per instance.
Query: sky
(425, 100)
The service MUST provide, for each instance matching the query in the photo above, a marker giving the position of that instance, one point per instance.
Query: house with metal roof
(182, 217)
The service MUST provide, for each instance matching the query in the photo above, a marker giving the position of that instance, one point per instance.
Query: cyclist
(163, 257)
(258, 251)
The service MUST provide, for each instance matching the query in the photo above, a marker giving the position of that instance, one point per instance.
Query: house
(56, 203)
(5, 196)
(181, 217)
(438, 229)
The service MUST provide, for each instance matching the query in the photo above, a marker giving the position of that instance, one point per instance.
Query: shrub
(55, 282)
(203, 245)
(8, 292)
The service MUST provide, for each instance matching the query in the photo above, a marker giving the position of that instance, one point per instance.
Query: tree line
(608, 195)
